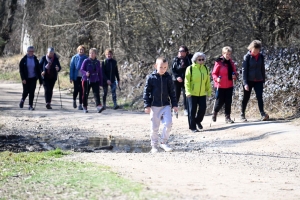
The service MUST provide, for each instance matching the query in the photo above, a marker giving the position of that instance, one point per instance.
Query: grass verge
(42, 176)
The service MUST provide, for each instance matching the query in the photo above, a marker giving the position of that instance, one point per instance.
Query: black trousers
(258, 88)
(178, 87)
(78, 90)
(224, 97)
(86, 87)
(29, 88)
(48, 87)
(196, 103)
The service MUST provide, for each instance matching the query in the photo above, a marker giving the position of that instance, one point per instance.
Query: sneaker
(99, 108)
(30, 108)
(154, 149)
(199, 125)
(85, 110)
(228, 120)
(48, 106)
(264, 117)
(185, 112)
(165, 147)
(74, 104)
(214, 117)
(116, 107)
(243, 118)
(80, 107)
(21, 104)
(195, 130)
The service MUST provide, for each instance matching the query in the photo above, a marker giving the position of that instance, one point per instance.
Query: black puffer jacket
(24, 71)
(253, 70)
(179, 66)
(110, 71)
(159, 90)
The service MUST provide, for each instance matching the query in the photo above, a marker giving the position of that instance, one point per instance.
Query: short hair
(184, 47)
(81, 47)
(30, 48)
(93, 50)
(255, 44)
(198, 54)
(50, 50)
(226, 49)
(108, 51)
(163, 59)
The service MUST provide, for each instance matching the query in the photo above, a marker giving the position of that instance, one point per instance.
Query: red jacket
(221, 69)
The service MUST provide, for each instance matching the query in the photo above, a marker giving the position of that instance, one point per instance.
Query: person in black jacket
(49, 66)
(30, 73)
(110, 77)
(180, 63)
(159, 97)
(254, 76)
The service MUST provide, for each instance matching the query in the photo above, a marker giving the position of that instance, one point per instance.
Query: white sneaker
(154, 149)
(185, 112)
(165, 147)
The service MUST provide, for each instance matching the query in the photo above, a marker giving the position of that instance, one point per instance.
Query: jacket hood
(155, 72)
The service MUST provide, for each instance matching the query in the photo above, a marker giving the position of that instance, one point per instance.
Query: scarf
(49, 64)
(229, 67)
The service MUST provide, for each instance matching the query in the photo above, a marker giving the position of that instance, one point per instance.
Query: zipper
(110, 71)
(201, 77)
(161, 83)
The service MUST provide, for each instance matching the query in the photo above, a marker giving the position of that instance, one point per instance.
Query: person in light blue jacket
(76, 76)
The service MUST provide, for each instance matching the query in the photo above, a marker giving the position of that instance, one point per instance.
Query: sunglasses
(200, 59)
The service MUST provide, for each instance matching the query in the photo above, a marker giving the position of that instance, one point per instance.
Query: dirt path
(253, 160)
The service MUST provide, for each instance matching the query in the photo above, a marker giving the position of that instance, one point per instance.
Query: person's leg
(96, 92)
(246, 97)
(76, 90)
(258, 88)
(219, 102)
(192, 106)
(167, 123)
(201, 103)
(51, 86)
(105, 89)
(228, 100)
(113, 88)
(177, 87)
(46, 89)
(24, 94)
(79, 85)
(32, 87)
(155, 116)
(85, 91)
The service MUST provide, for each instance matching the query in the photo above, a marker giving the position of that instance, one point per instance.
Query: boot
(243, 118)
(214, 117)
(228, 120)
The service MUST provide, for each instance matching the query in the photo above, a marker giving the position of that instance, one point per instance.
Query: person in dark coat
(49, 66)
(30, 73)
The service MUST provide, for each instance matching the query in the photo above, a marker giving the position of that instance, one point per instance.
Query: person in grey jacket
(159, 98)
(254, 76)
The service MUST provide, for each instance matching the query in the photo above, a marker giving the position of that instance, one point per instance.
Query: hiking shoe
(100, 108)
(48, 106)
(228, 120)
(154, 149)
(214, 117)
(264, 117)
(30, 108)
(243, 118)
(80, 107)
(165, 147)
(85, 110)
(199, 126)
(21, 104)
(185, 112)
(116, 107)
(74, 104)
(195, 130)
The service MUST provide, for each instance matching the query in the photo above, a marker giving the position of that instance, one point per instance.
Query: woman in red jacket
(224, 73)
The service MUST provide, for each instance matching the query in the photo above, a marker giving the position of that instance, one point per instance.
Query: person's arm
(38, 70)
(83, 69)
(42, 67)
(21, 69)
(187, 81)
(175, 69)
(72, 69)
(216, 72)
(147, 93)
(171, 90)
(58, 64)
(263, 69)
(245, 69)
(208, 85)
(117, 73)
(100, 75)
(103, 68)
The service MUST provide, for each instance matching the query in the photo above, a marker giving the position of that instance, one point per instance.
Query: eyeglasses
(200, 59)
(30, 51)
(181, 51)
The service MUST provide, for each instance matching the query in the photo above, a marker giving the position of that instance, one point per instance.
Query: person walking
(180, 63)
(110, 77)
(49, 66)
(91, 78)
(159, 98)
(254, 76)
(30, 73)
(197, 87)
(76, 76)
(224, 73)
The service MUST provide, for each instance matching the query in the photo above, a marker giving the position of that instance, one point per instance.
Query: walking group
(162, 90)
(86, 73)
(191, 77)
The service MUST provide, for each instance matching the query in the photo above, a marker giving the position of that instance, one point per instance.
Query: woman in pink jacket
(224, 73)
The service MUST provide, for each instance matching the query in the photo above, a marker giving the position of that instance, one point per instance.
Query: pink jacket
(221, 69)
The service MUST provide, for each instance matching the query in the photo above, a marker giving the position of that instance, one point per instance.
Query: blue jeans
(258, 88)
(113, 87)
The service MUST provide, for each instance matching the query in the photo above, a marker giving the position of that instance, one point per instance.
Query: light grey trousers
(163, 115)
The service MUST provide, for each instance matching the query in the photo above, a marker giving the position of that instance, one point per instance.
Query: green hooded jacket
(197, 83)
